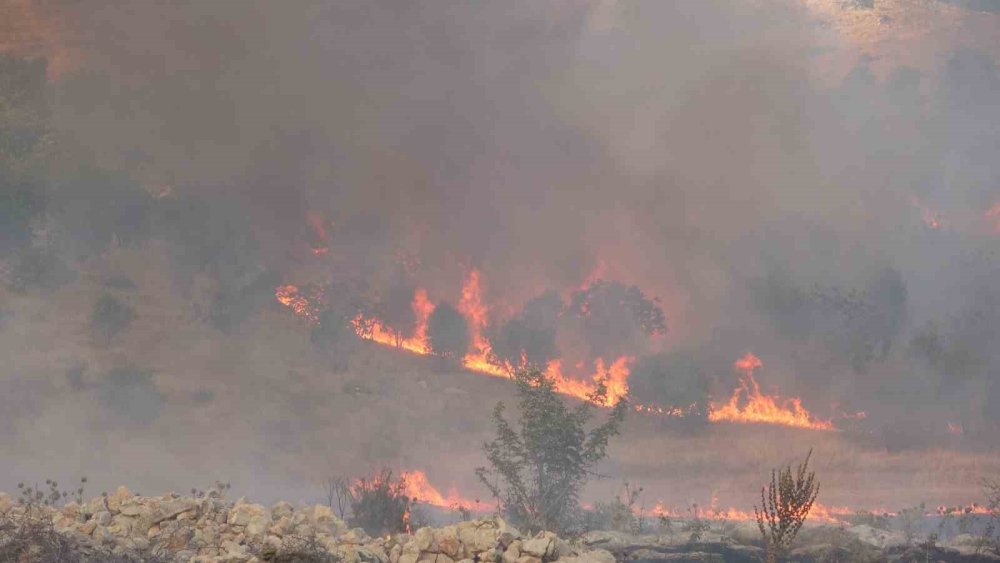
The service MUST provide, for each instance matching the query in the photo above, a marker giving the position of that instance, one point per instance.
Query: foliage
(536, 471)
(529, 336)
(620, 514)
(990, 538)
(785, 503)
(30, 534)
(615, 316)
(448, 332)
(395, 307)
(379, 504)
(871, 519)
(110, 317)
(910, 520)
(858, 324)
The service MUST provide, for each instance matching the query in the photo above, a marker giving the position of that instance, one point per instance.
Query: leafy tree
(531, 335)
(785, 503)
(448, 332)
(110, 317)
(614, 317)
(537, 470)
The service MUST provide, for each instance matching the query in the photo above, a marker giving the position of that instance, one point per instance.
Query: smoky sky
(688, 147)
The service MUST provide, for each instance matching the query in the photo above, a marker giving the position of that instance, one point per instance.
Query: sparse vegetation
(785, 503)
(110, 317)
(623, 513)
(536, 471)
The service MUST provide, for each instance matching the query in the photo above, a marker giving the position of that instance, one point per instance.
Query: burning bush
(536, 472)
(447, 332)
(379, 504)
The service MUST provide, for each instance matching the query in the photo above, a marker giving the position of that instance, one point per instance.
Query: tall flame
(417, 342)
(749, 405)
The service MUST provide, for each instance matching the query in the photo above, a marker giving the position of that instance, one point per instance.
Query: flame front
(749, 405)
(419, 488)
(746, 405)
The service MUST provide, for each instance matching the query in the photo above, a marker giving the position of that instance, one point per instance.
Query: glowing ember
(291, 297)
(955, 429)
(419, 488)
(321, 239)
(931, 218)
(749, 405)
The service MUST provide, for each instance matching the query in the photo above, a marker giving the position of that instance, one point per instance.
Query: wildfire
(419, 488)
(749, 405)
(746, 405)
(291, 297)
(417, 343)
(818, 513)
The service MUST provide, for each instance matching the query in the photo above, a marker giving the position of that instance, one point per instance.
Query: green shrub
(536, 471)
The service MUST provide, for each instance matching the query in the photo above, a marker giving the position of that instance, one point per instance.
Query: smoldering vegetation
(664, 181)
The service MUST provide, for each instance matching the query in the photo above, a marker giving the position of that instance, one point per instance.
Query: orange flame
(475, 312)
(291, 297)
(747, 404)
(419, 488)
(417, 343)
(760, 408)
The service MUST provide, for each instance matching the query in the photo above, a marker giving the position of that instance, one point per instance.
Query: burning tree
(447, 332)
(536, 472)
(785, 503)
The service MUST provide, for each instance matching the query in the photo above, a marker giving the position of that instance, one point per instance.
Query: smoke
(696, 150)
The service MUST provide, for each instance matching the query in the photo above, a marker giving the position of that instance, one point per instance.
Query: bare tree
(785, 503)
(338, 495)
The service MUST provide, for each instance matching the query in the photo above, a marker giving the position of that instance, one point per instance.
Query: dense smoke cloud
(686, 148)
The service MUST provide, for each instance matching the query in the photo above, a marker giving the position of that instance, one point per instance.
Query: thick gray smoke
(839, 228)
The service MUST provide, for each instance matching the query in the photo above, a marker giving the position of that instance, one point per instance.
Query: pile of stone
(207, 528)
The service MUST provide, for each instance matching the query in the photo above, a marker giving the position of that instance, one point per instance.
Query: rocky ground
(207, 528)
